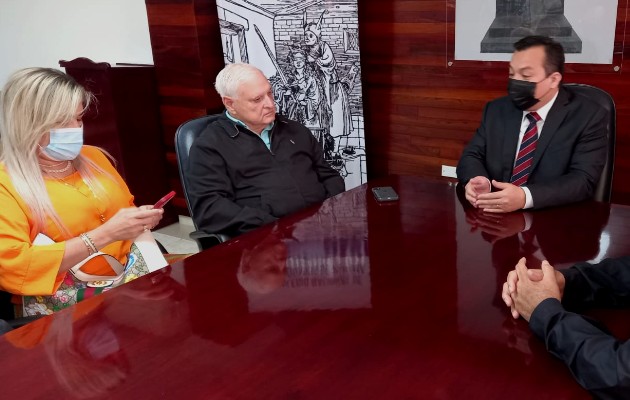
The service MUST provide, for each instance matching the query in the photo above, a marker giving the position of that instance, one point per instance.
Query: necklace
(94, 199)
(55, 164)
(57, 171)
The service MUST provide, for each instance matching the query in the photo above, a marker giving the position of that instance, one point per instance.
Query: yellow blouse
(28, 269)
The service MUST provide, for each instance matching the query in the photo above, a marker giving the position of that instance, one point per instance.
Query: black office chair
(604, 186)
(184, 138)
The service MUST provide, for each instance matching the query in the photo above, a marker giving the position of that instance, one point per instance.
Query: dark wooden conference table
(351, 299)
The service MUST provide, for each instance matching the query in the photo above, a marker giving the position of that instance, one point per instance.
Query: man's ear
(556, 79)
(228, 102)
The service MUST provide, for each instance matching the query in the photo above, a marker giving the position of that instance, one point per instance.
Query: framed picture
(485, 30)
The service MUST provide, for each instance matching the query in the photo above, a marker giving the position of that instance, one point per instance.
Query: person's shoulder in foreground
(540, 146)
(545, 298)
(250, 166)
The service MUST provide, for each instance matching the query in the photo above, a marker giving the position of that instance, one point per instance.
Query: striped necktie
(523, 164)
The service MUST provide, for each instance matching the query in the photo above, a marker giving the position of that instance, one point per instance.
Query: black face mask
(522, 93)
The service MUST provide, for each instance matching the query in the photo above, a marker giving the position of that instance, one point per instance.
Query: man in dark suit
(541, 145)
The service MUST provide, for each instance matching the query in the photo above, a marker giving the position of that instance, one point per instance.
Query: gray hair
(231, 77)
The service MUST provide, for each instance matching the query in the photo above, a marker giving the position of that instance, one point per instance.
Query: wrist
(523, 198)
(89, 243)
(100, 237)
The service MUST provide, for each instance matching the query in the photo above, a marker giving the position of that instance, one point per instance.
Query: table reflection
(320, 263)
(562, 235)
(83, 345)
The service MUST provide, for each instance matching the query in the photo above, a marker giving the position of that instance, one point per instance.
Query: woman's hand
(155, 218)
(127, 224)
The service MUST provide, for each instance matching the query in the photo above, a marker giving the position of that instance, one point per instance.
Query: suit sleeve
(472, 163)
(598, 361)
(328, 176)
(212, 197)
(582, 175)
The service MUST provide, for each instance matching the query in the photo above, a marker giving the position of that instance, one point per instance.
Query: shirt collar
(238, 121)
(544, 110)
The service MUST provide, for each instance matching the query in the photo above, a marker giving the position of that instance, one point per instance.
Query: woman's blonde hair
(34, 101)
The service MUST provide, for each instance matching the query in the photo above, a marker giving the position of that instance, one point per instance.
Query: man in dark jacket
(543, 297)
(251, 166)
(542, 145)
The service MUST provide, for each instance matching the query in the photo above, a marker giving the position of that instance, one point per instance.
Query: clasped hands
(526, 288)
(507, 198)
(495, 226)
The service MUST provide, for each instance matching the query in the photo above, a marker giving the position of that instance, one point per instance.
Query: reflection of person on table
(87, 357)
(83, 345)
(542, 145)
(263, 268)
(496, 226)
(533, 234)
(51, 183)
(544, 297)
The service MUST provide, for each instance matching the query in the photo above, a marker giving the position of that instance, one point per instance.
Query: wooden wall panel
(419, 111)
(187, 54)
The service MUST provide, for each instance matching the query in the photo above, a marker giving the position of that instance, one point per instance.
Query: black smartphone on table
(384, 193)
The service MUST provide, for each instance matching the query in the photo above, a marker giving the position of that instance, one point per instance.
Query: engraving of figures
(336, 96)
(301, 99)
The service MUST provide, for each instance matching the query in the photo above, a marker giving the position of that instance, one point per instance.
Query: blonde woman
(51, 184)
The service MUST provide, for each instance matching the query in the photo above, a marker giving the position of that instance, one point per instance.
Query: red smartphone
(160, 203)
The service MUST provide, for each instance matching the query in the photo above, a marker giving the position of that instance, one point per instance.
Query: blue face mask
(65, 143)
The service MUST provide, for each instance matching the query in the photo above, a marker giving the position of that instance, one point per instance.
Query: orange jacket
(26, 269)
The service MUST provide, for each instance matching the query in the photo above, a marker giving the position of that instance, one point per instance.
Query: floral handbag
(144, 257)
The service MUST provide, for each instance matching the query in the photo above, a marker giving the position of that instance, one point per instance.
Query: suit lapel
(554, 119)
(512, 127)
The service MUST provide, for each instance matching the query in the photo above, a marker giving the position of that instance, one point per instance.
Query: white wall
(39, 33)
